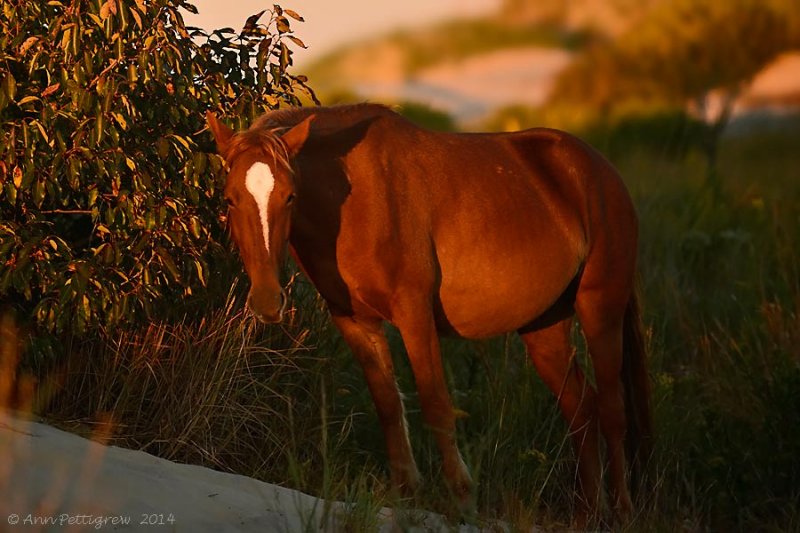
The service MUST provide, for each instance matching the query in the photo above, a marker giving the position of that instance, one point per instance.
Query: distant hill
(471, 68)
(466, 68)
(564, 24)
(403, 54)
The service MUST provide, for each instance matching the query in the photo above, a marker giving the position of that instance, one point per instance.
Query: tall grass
(721, 293)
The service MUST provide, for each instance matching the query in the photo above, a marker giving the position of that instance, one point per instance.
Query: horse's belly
(490, 299)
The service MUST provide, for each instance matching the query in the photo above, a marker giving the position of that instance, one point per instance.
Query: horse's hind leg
(605, 287)
(368, 343)
(601, 312)
(551, 352)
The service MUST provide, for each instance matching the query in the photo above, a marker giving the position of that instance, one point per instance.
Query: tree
(109, 194)
(681, 51)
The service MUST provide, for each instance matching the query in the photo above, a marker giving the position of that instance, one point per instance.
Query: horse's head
(260, 193)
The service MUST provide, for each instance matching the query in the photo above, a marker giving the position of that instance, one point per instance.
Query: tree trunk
(716, 120)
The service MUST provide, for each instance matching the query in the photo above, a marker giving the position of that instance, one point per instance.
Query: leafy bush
(108, 195)
(427, 116)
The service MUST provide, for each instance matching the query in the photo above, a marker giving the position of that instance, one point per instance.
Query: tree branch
(67, 212)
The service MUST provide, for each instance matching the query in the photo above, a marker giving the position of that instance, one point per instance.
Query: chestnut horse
(471, 235)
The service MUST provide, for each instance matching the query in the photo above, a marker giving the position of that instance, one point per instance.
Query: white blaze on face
(259, 182)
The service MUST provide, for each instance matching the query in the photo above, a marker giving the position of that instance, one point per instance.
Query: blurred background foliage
(665, 73)
(627, 58)
(681, 50)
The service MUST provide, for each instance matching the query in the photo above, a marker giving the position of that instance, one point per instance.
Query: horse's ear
(296, 137)
(222, 133)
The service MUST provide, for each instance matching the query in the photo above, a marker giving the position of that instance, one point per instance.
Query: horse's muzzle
(267, 308)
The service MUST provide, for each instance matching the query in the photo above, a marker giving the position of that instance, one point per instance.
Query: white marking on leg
(463, 466)
(413, 472)
(259, 182)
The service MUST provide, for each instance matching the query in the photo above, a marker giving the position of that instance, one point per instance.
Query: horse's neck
(332, 122)
(335, 133)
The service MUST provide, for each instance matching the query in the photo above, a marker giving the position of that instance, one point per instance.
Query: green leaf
(162, 147)
(282, 24)
(200, 272)
(109, 8)
(38, 193)
(194, 226)
(10, 86)
(294, 15)
(42, 131)
(297, 41)
(183, 142)
(137, 18)
(27, 45)
(97, 20)
(50, 90)
(168, 262)
(74, 169)
(66, 38)
(121, 121)
(200, 160)
(93, 193)
(99, 128)
(28, 100)
(253, 20)
(285, 57)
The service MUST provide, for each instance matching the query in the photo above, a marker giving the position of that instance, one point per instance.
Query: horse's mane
(326, 118)
(265, 140)
(264, 134)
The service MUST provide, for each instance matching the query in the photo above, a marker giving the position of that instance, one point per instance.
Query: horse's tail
(639, 436)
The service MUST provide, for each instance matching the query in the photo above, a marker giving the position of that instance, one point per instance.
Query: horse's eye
(289, 199)
(229, 201)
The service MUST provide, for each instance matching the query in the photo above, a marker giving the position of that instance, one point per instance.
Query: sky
(329, 23)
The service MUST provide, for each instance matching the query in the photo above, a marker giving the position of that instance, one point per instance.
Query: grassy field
(720, 280)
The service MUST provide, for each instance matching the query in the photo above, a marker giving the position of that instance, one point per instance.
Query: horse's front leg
(368, 343)
(417, 327)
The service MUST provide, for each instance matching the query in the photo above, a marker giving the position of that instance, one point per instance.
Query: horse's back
(496, 226)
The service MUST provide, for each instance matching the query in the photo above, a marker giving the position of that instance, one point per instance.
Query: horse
(463, 234)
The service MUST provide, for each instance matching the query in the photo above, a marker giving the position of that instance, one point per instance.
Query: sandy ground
(51, 480)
